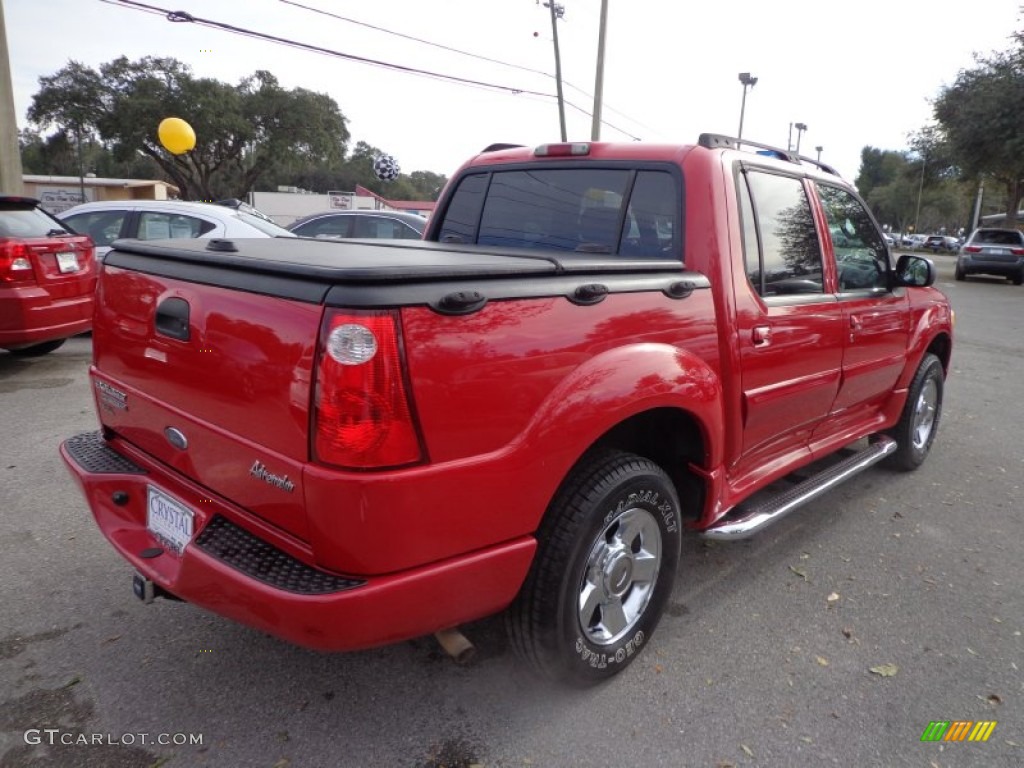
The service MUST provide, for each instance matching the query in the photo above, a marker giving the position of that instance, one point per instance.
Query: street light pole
(800, 128)
(747, 80)
(557, 12)
(595, 128)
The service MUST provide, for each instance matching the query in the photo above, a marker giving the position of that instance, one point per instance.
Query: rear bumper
(973, 265)
(242, 569)
(30, 315)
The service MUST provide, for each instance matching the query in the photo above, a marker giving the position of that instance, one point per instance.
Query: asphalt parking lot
(833, 638)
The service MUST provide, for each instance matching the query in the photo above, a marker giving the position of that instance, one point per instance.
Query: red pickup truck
(597, 347)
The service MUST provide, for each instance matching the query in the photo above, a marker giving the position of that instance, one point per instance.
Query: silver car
(110, 220)
(991, 251)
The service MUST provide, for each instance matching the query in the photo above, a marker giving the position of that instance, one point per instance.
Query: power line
(478, 56)
(185, 17)
(182, 16)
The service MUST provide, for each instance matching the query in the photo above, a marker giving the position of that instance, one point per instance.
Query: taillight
(363, 419)
(1017, 251)
(972, 249)
(15, 264)
(574, 149)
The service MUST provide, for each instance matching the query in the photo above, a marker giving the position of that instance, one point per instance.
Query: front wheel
(915, 431)
(607, 555)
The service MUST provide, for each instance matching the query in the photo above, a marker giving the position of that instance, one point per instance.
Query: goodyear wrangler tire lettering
(608, 551)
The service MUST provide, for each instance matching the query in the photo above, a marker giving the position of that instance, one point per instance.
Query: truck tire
(915, 431)
(38, 350)
(606, 560)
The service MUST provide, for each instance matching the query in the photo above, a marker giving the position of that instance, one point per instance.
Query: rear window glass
(998, 237)
(21, 220)
(588, 210)
(267, 227)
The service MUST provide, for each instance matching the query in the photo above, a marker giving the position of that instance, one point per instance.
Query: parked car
(47, 279)
(889, 239)
(913, 240)
(937, 243)
(992, 252)
(361, 224)
(110, 220)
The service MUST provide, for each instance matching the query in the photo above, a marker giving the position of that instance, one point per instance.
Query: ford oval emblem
(176, 438)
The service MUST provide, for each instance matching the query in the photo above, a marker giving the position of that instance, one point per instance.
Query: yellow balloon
(176, 135)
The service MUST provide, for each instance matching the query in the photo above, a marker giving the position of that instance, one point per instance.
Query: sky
(856, 74)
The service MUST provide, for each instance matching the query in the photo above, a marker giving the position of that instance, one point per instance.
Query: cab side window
(862, 258)
(780, 242)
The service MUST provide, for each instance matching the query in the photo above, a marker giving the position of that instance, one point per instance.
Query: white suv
(111, 220)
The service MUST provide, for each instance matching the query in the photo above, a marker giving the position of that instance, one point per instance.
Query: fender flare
(620, 383)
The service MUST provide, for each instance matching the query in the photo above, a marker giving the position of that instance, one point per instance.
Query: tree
(979, 116)
(243, 132)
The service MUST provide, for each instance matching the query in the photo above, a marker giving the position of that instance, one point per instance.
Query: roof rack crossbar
(719, 141)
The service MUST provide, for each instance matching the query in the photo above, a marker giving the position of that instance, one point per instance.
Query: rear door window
(781, 247)
(326, 226)
(163, 226)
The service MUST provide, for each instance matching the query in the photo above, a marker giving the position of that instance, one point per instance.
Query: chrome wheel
(924, 413)
(620, 576)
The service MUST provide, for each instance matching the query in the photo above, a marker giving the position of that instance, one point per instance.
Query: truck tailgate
(225, 372)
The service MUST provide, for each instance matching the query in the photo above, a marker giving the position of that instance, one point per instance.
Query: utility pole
(10, 156)
(595, 129)
(557, 12)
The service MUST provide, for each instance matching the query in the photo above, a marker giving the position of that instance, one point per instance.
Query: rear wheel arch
(673, 439)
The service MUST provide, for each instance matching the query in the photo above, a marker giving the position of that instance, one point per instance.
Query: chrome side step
(746, 521)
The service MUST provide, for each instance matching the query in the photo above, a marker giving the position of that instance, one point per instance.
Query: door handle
(761, 335)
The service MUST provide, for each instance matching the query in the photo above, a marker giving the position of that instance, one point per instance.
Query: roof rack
(718, 141)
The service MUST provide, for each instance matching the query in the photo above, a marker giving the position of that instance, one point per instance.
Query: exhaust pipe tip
(456, 645)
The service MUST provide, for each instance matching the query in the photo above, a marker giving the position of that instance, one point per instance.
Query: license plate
(168, 520)
(999, 252)
(67, 262)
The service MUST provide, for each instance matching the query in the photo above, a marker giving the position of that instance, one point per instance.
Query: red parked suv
(47, 279)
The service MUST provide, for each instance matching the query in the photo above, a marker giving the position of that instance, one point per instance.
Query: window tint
(862, 258)
(570, 209)
(652, 218)
(104, 227)
(567, 209)
(463, 212)
(162, 226)
(789, 260)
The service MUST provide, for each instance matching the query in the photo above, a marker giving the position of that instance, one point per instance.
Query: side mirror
(914, 271)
